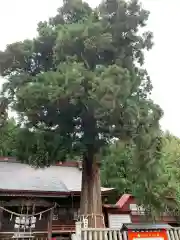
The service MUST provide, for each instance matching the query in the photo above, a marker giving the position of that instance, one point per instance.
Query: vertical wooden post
(1, 215)
(50, 224)
(78, 231)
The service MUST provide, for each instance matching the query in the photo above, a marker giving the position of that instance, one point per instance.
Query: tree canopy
(80, 84)
(81, 70)
(120, 170)
(170, 163)
(8, 138)
(150, 186)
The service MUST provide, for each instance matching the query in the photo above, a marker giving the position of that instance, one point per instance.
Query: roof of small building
(63, 178)
(123, 200)
(144, 226)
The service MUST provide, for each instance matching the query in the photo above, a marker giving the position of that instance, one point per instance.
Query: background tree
(78, 83)
(116, 167)
(120, 170)
(170, 163)
(8, 136)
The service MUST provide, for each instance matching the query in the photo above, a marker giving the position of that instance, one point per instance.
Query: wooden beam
(50, 224)
(28, 202)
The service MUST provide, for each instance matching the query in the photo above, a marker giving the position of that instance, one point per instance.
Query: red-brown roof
(123, 200)
(120, 203)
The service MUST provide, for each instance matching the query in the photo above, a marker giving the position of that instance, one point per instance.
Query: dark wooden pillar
(1, 215)
(50, 224)
(1, 218)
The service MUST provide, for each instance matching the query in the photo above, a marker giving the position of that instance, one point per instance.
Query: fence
(174, 234)
(104, 234)
(113, 234)
(39, 238)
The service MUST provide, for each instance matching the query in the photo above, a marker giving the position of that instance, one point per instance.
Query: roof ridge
(8, 159)
(77, 164)
(70, 163)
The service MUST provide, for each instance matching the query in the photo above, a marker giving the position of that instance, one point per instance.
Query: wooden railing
(97, 234)
(113, 234)
(103, 234)
(36, 238)
(63, 228)
(174, 234)
(116, 234)
(42, 226)
(41, 233)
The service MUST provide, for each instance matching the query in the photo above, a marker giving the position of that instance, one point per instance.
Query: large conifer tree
(79, 84)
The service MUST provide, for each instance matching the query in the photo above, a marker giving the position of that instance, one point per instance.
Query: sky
(19, 18)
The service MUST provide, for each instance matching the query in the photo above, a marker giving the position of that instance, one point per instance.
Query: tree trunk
(91, 201)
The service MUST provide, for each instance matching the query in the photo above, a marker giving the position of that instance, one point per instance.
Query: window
(60, 214)
(133, 207)
(137, 209)
(117, 220)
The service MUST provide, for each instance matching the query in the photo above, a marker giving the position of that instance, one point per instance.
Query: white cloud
(18, 20)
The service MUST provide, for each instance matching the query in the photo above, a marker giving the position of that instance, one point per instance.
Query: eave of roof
(26, 193)
(110, 206)
(146, 226)
(104, 191)
(16, 192)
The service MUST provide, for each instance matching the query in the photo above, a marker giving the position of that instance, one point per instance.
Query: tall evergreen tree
(8, 136)
(79, 85)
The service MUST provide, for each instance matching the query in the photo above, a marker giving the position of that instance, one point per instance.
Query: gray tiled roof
(18, 176)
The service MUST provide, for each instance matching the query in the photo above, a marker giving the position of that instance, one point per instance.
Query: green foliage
(79, 81)
(170, 163)
(155, 184)
(117, 167)
(8, 137)
(120, 169)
